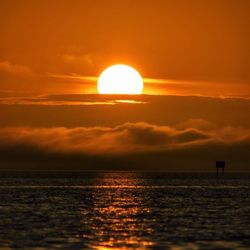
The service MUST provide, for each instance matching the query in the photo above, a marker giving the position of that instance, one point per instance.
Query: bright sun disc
(120, 79)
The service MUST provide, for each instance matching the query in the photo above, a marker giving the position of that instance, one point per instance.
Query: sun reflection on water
(118, 218)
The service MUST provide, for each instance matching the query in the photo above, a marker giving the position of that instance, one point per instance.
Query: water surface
(124, 210)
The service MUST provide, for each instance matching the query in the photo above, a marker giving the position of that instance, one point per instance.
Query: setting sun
(120, 79)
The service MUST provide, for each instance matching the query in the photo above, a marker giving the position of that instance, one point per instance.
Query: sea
(124, 210)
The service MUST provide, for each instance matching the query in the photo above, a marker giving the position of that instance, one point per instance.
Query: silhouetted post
(220, 165)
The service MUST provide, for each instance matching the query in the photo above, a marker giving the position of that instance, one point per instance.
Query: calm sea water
(124, 210)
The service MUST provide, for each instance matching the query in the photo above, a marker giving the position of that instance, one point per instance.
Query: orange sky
(205, 42)
(194, 57)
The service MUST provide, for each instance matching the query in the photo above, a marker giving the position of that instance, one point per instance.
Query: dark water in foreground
(125, 210)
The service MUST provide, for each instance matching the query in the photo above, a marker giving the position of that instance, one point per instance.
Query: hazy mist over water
(126, 210)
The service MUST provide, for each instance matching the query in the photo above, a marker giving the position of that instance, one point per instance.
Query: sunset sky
(193, 56)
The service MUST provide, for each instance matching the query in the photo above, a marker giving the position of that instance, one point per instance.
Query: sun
(120, 79)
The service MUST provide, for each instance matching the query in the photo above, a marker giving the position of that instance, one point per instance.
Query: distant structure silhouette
(220, 165)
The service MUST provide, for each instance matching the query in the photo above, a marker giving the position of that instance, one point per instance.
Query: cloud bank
(126, 146)
(123, 139)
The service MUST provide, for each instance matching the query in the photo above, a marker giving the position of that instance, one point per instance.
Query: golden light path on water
(117, 217)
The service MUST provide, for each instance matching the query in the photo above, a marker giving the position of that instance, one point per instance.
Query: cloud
(123, 139)
(196, 123)
(158, 86)
(82, 63)
(70, 100)
(197, 88)
(75, 77)
(127, 146)
(88, 110)
(15, 69)
(85, 59)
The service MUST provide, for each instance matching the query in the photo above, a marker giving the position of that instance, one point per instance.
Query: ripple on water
(126, 211)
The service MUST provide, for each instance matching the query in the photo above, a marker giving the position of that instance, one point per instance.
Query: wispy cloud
(82, 100)
(83, 60)
(82, 78)
(73, 77)
(155, 86)
(15, 69)
(46, 102)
